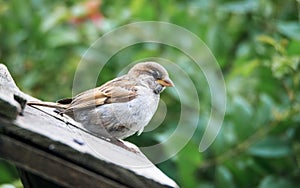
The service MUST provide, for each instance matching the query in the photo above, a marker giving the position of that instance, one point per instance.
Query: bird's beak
(167, 82)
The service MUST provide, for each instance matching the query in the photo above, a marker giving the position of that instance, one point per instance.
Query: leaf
(188, 161)
(275, 182)
(62, 37)
(240, 7)
(270, 147)
(52, 20)
(282, 66)
(290, 29)
(279, 46)
(266, 39)
(224, 177)
(246, 69)
(263, 110)
(7, 171)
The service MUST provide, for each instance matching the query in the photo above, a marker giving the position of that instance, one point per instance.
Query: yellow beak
(167, 82)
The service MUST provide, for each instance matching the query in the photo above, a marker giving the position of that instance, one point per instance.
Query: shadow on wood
(52, 153)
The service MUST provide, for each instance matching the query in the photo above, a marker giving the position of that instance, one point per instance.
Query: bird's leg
(58, 112)
(123, 145)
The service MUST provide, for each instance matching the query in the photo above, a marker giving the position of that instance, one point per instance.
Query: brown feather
(114, 91)
(47, 104)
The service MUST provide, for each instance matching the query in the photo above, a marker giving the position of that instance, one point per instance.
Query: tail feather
(47, 104)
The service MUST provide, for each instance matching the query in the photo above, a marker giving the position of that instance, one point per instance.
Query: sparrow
(120, 107)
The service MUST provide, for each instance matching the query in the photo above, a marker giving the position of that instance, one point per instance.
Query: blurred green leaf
(283, 66)
(275, 182)
(271, 41)
(59, 14)
(14, 184)
(7, 171)
(240, 7)
(290, 29)
(62, 37)
(189, 155)
(270, 147)
(224, 178)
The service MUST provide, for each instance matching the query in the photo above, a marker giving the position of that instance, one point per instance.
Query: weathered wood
(12, 100)
(8, 106)
(31, 180)
(51, 167)
(55, 148)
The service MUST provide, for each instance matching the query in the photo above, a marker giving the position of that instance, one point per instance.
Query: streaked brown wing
(118, 90)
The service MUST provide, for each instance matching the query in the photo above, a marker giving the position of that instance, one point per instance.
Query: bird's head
(154, 72)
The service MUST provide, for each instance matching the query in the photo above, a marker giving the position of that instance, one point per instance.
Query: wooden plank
(50, 167)
(9, 92)
(84, 159)
(31, 180)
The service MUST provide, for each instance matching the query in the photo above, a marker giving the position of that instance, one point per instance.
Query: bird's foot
(126, 145)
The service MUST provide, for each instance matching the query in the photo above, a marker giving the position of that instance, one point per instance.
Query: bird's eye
(156, 74)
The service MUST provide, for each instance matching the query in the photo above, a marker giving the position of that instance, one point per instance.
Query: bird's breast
(132, 116)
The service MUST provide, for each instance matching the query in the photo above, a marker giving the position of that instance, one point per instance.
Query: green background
(256, 43)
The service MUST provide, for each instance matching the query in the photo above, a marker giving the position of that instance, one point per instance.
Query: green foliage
(9, 175)
(257, 45)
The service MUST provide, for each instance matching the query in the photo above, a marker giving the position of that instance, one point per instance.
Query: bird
(120, 107)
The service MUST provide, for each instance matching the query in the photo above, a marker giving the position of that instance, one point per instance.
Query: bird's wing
(118, 90)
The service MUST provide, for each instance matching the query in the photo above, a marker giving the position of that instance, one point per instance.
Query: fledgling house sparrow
(120, 107)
